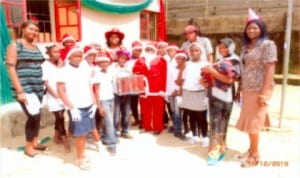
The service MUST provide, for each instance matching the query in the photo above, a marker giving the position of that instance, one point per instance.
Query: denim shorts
(84, 126)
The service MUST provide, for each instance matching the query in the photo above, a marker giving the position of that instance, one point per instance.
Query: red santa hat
(73, 50)
(252, 15)
(87, 50)
(151, 44)
(103, 57)
(123, 52)
(34, 20)
(191, 28)
(181, 53)
(162, 43)
(68, 36)
(114, 31)
(136, 45)
(173, 46)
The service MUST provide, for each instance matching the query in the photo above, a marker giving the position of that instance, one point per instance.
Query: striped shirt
(29, 69)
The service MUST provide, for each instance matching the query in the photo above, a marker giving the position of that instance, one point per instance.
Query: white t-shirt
(192, 76)
(77, 81)
(105, 80)
(172, 76)
(172, 73)
(51, 74)
(118, 72)
(130, 64)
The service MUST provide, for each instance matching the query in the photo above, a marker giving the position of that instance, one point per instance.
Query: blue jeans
(175, 114)
(122, 110)
(108, 137)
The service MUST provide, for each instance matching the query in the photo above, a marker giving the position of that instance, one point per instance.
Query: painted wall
(154, 6)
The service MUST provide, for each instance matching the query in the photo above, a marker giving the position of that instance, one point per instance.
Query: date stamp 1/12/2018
(274, 163)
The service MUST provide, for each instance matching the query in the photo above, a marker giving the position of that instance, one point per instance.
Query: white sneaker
(193, 140)
(189, 134)
(205, 142)
(90, 146)
(100, 146)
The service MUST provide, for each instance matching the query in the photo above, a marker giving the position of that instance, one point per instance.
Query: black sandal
(41, 147)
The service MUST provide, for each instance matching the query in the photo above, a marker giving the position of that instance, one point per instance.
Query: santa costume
(154, 68)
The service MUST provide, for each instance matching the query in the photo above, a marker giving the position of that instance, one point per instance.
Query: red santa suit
(152, 103)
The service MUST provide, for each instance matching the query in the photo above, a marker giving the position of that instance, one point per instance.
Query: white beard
(148, 58)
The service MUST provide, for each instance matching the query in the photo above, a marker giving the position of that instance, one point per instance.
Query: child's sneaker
(189, 135)
(112, 150)
(205, 142)
(90, 146)
(83, 164)
(100, 146)
(193, 140)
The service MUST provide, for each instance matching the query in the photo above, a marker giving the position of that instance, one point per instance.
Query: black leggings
(134, 101)
(167, 113)
(60, 122)
(32, 125)
(198, 122)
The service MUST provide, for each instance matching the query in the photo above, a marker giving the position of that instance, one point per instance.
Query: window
(67, 18)
(148, 25)
(40, 11)
(15, 12)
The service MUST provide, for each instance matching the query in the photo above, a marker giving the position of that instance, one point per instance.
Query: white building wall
(154, 6)
(94, 25)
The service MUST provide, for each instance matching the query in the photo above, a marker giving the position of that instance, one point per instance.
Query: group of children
(179, 82)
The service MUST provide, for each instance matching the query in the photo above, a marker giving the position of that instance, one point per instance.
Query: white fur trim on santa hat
(90, 51)
(102, 59)
(74, 50)
(182, 54)
(172, 47)
(68, 38)
(136, 47)
(150, 46)
(162, 43)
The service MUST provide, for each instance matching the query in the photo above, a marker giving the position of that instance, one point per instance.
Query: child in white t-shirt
(120, 70)
(175, 90)
(50, 75)
(194, 99)
(75, 90)
(103, 84)
(89, 54)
